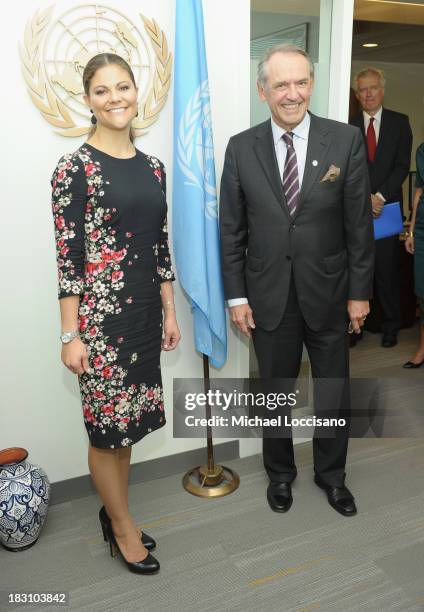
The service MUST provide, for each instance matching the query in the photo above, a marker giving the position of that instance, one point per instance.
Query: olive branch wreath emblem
(55, 112)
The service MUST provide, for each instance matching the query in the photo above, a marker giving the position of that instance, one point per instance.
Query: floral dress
(112, 251)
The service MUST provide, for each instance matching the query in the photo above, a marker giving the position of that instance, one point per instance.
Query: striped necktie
(290, 174)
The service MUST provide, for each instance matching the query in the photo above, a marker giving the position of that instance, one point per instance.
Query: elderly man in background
(388, 138)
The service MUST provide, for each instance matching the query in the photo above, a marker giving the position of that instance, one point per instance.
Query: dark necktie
(371, 140)
(290, 174)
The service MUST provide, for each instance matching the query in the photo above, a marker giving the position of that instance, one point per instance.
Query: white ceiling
(396, 26)
(397, 42)
(401, 11)
(389, 12)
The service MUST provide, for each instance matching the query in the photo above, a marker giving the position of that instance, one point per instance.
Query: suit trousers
(387, 282)
(279, 354)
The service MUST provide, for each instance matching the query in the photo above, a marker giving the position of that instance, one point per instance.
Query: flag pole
(210, 480)
(195, 214)
(211, 461)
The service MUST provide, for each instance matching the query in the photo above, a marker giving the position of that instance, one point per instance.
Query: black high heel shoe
(410, 365)
(149, 565)
(148, 542)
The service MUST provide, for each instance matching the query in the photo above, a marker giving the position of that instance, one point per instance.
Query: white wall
(341, 52)
(40, 407)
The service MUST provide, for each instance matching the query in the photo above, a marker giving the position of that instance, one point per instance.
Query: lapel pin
(315, 163)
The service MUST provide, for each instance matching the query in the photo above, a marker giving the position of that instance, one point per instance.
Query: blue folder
(390, 222)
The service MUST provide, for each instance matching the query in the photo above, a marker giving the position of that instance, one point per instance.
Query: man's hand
(377, 205)
(242, 317)
(358, 310)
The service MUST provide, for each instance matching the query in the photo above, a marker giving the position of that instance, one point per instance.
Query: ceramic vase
(24, 499)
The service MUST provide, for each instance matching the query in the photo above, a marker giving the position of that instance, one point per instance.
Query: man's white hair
(368, 71)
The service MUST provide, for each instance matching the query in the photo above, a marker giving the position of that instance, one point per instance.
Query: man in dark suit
(388, 138)
(297, 255)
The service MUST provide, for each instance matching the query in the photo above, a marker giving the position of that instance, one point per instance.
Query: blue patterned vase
(24, 499)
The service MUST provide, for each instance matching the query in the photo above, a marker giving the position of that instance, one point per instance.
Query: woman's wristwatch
(67, 337)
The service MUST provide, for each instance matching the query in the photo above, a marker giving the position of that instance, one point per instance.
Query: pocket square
(331, 175)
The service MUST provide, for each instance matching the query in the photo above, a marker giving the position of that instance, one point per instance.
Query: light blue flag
(195, 211)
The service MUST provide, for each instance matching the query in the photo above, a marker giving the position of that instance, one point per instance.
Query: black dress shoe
(279, 496)
(389, 340)
(340, 498)
(410, 365)
(149, 565)
(147, 541)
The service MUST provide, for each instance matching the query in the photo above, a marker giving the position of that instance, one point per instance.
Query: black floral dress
(112, 251)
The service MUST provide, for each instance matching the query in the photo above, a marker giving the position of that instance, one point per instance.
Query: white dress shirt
(377, 125)
(377, 122)
(300, 144)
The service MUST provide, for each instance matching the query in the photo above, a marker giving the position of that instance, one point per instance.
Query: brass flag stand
(210, 480)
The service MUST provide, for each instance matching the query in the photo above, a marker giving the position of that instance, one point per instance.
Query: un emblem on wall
(54, 57)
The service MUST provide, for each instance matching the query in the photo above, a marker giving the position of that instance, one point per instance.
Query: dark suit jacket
(393, 156)
(328, 243)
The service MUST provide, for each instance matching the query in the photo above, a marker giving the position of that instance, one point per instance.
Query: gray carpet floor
(234, 553)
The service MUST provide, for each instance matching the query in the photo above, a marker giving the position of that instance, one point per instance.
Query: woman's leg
(419, 355)
(124, 460)
(106, 471)
(124, 455)
(124, 467)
